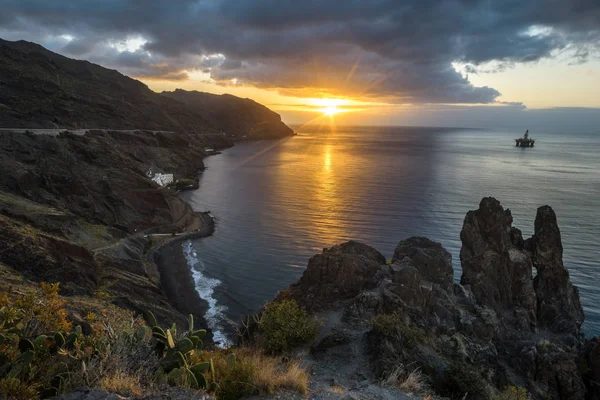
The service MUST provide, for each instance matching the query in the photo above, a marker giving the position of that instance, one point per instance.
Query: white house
(163, 179)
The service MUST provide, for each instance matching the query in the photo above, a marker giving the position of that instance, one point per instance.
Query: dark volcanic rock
(558, 304)
(42, 89)
(592, 368)
(552, 370)
(336, 338)
(237, 117)
(474, 339)
(495, 267)
(433, 261)
(338, 273)
(72, 208)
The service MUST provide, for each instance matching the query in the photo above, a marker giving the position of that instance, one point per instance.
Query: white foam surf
(205, 286)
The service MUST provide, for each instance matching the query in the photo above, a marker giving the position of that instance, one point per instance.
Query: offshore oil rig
(525, 141)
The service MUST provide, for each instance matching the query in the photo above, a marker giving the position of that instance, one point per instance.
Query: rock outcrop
(496, 267)
(499, 327)
(339, 273)
(558, 305)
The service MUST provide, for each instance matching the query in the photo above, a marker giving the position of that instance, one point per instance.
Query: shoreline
(176, 278)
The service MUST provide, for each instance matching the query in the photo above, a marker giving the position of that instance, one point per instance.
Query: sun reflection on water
(327, 158)
(314, 181)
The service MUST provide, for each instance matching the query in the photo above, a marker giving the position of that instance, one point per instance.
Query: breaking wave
(205, 286)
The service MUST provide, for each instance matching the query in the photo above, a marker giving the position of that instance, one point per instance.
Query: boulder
(338, 273)
(337, 337)
(433, 262)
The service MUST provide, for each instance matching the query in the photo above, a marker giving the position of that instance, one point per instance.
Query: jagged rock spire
(495, 265)
(558, 305)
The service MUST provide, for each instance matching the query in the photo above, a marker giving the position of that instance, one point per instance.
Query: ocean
(277, 203)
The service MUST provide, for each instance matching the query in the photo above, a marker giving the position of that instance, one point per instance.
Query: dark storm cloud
(399, 50)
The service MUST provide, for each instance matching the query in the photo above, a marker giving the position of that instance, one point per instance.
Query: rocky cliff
(42, 89)
(513, 320)
(75, 209)
(75, 206)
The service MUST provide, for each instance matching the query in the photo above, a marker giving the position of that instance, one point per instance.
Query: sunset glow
(330, 110)
(330, 107)
(512, 75)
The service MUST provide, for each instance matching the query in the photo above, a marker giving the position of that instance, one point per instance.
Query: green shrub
(460, 380)
(34, 313)
(414, 335)
(149, 243)
(390, 324)
(13, 388)
(513, 393)
(184, 183)
(284, 325)
(386, 324)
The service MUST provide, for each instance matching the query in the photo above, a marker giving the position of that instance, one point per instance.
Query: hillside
(42, 89)
(76, 207)
(238, 117)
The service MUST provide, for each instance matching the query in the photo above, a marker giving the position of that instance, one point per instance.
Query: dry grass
(337, 389)
(411, 382)
(254, 373)
(122, 383)
(271, 374)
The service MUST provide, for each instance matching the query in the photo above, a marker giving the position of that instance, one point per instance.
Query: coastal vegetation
(42, 353)
(185, 184)
(408, 381)
(284, 325)
(390, 324)
(513, 393)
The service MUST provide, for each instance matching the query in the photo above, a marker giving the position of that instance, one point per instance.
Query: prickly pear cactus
(176, 353)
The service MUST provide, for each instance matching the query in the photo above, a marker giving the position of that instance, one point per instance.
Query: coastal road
(80, 132)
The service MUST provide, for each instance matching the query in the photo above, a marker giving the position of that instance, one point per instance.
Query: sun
(330, 110)
(329, 106)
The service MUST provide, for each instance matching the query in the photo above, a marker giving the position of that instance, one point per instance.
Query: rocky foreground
(514, 319)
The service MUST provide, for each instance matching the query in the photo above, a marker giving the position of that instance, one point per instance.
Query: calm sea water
(277, 203)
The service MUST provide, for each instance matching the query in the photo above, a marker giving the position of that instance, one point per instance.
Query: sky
(512, 64)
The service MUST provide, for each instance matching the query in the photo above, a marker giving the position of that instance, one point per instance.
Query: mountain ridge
(257, 120)
(43, 89)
